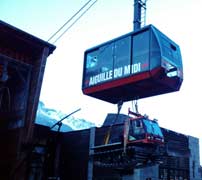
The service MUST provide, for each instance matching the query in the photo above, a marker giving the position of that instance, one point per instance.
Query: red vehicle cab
(145, 131)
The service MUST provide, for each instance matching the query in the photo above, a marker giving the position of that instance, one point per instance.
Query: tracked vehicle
(133, 141)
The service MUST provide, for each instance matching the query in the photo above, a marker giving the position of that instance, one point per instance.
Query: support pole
(137, 15)
(91, 152)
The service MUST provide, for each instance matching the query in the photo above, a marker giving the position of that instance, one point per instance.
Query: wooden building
(22, 64)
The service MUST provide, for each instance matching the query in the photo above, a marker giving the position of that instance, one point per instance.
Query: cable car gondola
(137, 65)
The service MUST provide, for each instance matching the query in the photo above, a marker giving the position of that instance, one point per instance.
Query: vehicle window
(137, 127)
(98, 65)
(152, 127)
(140, 53)
(138, 124)
(122, 57)
(157, 129)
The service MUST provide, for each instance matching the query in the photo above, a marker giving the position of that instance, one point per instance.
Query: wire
(135, 106)
(74, 22)
(68, 21)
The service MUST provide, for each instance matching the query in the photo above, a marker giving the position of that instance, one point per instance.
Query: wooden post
(91, 152)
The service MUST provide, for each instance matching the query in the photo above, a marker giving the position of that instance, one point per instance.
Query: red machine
(140, 129)
(130, 141)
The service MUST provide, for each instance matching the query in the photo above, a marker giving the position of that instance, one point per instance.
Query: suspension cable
(69, 20)
(135, 106)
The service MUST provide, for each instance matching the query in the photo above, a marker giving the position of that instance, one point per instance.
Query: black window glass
(122, 62)
(155, 53)
(14, 88)
(170, 51)
(140, 52)
(98, 65)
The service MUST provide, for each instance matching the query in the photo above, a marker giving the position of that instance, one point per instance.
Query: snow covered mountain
(48, 117)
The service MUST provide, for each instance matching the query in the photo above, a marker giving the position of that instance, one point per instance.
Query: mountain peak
(48, 117)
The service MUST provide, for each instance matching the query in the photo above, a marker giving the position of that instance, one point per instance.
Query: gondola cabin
(136, 65)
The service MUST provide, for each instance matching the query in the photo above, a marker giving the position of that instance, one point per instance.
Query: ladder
(143, 13)
(139, 14)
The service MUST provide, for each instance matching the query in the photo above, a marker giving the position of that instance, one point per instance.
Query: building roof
(14, 38)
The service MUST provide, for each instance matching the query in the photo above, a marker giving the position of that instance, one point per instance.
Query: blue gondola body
(136, 65)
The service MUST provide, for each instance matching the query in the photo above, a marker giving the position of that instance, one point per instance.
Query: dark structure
(175, 166)
(181, 160)
(57, 155)
(22, 64)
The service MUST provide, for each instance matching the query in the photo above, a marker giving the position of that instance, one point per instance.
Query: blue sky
(107, 19)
